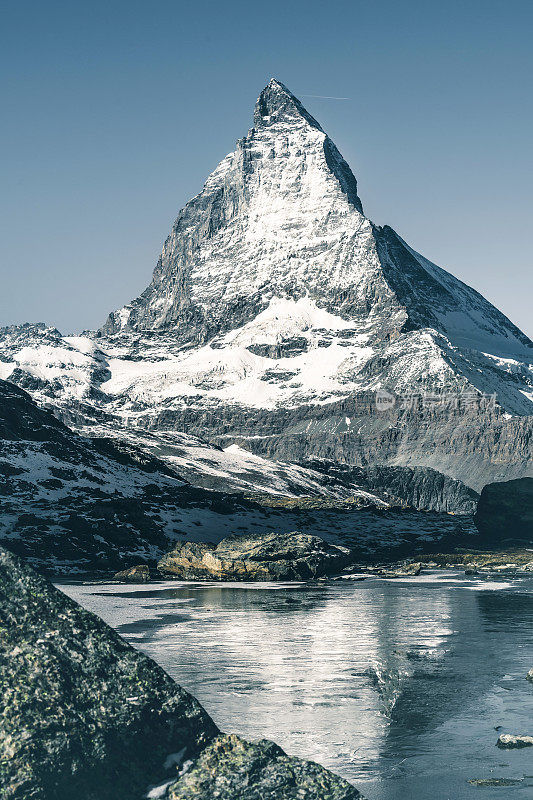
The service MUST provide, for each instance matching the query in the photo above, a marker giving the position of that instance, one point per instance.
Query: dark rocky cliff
(505, 512)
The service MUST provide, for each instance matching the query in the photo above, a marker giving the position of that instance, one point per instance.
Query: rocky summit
(260, 557)
(283, 321)
(86, 716)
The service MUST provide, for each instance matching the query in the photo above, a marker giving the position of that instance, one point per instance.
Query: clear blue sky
(114, 113)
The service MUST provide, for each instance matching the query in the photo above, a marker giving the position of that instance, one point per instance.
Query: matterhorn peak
(276, 248)
(276, 103)
(276, 314)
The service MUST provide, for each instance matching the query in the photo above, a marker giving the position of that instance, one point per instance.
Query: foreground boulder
(224, 768)
(85, 716)
(261, 557)
(138, 574)
(505, 511)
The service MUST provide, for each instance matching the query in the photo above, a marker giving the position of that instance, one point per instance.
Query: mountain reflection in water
(396, 685)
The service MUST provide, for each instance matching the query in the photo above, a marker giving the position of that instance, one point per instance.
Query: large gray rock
(84, 716)
(505, 511)
(263, 557)
(224, 768)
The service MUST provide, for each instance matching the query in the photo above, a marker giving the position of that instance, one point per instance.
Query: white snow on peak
(285, 317)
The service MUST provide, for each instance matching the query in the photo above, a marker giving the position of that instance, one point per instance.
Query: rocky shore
(137, 574)
(297, 556)
(259, 557)
(86, 716)
(509, 561)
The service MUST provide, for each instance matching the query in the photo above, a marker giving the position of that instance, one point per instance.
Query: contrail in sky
(325, 97)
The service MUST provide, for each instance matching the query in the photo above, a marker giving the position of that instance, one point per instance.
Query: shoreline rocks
(260, 557)
(137, 574)
(86, 716)
(487, 563)
(404, 569)
(222, 771)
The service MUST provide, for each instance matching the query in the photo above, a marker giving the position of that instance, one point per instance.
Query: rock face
(223, 769)
(505, 511)
(282, 214)
(138, 574)
(509, 742)
(418, 487)
(270, 557)
(83, 714)
(276, 314)
(86, 716)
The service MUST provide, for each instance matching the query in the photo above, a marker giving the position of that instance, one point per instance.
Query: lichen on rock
(82, 713)
(224, 768)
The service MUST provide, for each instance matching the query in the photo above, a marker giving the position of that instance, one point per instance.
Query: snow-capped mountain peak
(276, 103)
(274, 306)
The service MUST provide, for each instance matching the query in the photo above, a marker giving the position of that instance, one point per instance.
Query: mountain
(71, 504)
(281, 320)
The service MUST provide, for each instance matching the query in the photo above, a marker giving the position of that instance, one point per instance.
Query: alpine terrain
(282, 325)
(76, 504)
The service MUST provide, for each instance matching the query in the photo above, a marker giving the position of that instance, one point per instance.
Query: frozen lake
(401, 686)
